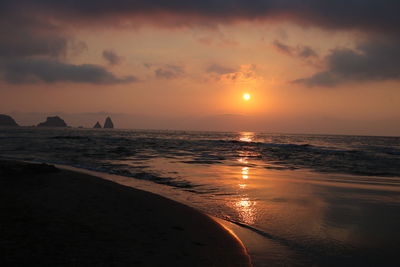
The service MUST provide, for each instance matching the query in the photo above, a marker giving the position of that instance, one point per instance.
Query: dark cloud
(50, 71)
(298, 51)
(23, 37)
(283, 48)
(77, 47)
(339, 14)
(215, 68)
(306, 52)
(34, 30)
(169, 71)
(32, 49)
(111, 57)
(373, 60)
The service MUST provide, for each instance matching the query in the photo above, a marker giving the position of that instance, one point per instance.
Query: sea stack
(7, 121)
(108, 123)
(97, 125)
(53, 122)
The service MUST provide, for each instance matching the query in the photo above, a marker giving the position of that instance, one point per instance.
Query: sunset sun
(246, 96)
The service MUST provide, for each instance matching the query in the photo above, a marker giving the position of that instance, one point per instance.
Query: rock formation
(53, 122)
(108, 123)
(6, 120)
(97, 125)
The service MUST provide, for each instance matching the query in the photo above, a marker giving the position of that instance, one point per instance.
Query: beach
(55, 217)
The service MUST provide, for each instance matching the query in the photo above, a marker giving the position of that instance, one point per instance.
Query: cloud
(246, 73)
(50, 71)
(281, 47)
(373, 60)
(169, 71)
(376, 15)
(111, 57)
(297, 51)
(32, 49)
(34, 30)
(77, 47)
(166, 71)
(306, 52)
(24, 37)
(218, 69)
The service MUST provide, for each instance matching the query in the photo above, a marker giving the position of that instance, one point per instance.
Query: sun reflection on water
(244, 206)
(247, 136)
(243, 160)
(245, 172)
(246, 210)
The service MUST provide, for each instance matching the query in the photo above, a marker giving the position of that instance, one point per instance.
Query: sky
(310, 66)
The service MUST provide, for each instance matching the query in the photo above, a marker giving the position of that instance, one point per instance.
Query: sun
(246, 96)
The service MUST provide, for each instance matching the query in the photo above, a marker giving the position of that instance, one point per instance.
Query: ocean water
(312, 200)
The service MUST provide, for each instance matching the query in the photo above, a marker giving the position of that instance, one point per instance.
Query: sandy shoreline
(63, 218)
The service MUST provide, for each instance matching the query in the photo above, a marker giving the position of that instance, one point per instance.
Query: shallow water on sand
(308, 200)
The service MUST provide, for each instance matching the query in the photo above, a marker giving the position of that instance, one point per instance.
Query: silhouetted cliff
(53, 122)
(108, 123)
(97, 125)
(6, 120)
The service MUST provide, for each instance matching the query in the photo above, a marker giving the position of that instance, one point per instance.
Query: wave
(338, 154)
(311, 248)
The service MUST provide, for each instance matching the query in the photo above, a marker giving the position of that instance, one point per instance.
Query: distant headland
(7, 121)
(53, 122)
(50, 122)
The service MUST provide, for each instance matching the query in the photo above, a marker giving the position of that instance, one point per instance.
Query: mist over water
(318, 199)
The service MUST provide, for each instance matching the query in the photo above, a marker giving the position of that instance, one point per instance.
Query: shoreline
(254, 242)
(55, 216)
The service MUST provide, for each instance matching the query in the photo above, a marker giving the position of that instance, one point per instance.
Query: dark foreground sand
(52, 217)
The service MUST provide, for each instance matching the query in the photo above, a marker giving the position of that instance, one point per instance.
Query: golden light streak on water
(247, 136)
(246, 210)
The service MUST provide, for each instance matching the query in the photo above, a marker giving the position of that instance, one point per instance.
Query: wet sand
(53, 217)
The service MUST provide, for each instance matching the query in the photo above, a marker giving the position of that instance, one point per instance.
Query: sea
(305, 200)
